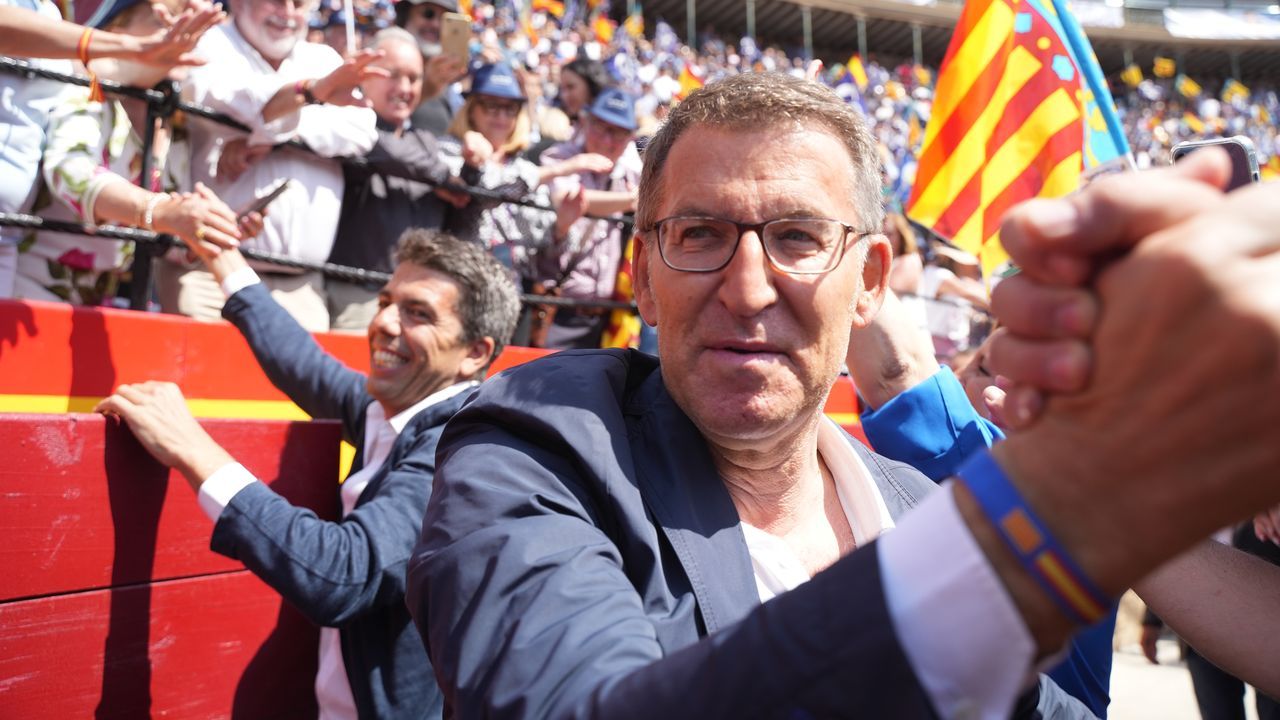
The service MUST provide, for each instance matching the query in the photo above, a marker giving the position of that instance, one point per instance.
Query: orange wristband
(95, 88)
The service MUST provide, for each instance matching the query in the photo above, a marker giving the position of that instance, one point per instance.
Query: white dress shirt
(948, 605)
(237, 81)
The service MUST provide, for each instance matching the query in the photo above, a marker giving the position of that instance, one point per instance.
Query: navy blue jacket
(582, 558)
(348, 574)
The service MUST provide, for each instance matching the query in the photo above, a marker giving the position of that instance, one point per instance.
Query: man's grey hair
(393, 34)
(753, 101)
(488, 302)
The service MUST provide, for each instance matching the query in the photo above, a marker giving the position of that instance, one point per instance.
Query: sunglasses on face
(499, 108)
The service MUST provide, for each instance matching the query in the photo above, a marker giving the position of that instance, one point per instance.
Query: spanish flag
(1164, 67)
(603, 28)
(1132, 76)
(1187, 87)
(552, 7)
(1271, 169)
(689, 81)
(857, 72)
(1014, 117)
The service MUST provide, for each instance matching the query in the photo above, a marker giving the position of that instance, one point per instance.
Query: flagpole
(1093, 76)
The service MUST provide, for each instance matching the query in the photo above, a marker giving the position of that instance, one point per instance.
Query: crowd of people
(549, 113)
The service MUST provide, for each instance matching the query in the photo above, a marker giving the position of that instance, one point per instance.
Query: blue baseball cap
(497, 80)
(616, 108)
(108, 11)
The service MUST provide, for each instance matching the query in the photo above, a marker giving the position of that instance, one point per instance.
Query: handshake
(1142, 344)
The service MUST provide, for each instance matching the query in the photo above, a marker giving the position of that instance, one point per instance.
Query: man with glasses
(582, 260)
(611, 537)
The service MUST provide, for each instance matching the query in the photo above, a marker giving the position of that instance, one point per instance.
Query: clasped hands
(1141, 348)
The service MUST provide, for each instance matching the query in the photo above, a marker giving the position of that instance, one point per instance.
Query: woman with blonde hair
(484, 148)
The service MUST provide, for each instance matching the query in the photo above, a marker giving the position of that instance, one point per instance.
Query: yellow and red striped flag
(857, 72)
(1020, 111)
(689, 81)
(623, 330)
(603, 27)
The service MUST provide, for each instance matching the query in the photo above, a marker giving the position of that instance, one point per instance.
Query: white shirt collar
(402, 418)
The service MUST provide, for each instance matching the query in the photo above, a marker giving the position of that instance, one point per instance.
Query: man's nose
(747, 285)
(386, 320)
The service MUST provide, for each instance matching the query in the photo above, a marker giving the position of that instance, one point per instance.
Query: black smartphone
(1244, 159)
(261, 203)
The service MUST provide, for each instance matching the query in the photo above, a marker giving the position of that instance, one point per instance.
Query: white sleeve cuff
(217, 490)
(958, 625)
(239, 280)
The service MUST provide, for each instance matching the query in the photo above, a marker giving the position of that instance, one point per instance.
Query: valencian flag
(1233, 90)
(623, 330)
(1163, 67)
(1132, 76)
(1020, 111)
(1187, 87)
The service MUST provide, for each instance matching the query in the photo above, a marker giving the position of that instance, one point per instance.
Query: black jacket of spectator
(387, 194)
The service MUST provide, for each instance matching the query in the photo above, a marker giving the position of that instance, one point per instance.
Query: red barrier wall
(112, 604)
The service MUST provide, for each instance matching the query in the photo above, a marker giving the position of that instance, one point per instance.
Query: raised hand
(339, 87)
(174, 45)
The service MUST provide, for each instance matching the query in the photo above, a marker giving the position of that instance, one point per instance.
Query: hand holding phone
(455, 36)
(261, 203)
(1244, 159)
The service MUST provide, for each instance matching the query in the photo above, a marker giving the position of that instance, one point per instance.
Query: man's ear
(875, 279)
(479, 355)
(640, 279)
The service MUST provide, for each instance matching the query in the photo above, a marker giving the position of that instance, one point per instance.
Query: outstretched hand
(340, 86)
(175, 44)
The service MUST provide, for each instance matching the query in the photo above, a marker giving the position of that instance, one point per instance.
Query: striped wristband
(1036, 549)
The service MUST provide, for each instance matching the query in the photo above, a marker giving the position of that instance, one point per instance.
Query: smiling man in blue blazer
(445, 314)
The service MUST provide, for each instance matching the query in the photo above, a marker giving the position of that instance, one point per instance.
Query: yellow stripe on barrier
(200, 407)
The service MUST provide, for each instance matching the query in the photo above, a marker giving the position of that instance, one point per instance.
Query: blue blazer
(348, 574)
(582, 558)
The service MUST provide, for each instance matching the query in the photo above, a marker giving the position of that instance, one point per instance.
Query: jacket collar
(682, 489)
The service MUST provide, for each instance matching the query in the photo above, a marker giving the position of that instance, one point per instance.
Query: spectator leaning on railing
(258, 67)
(92, 162)
(383, 197)
(582, 258)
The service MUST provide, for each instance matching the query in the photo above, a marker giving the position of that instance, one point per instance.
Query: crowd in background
(551, 107)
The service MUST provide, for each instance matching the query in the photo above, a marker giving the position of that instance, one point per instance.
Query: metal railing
(163, 101)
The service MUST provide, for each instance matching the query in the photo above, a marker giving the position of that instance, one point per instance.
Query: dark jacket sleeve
(415, 155)
(332, 571)
(321, 385)
(528, 610)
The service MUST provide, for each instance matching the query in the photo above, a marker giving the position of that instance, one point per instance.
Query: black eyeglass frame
(758, 228)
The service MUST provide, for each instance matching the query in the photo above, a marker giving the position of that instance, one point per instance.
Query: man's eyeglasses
(801, 246)
(604, 130)
(495, 107)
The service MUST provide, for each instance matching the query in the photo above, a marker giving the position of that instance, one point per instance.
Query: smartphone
(455, 36)
(261, 203)
(1244, 159)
